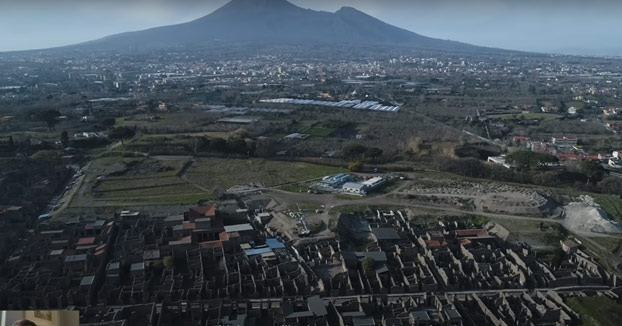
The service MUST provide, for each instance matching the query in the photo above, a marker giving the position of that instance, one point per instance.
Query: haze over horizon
(554, 26)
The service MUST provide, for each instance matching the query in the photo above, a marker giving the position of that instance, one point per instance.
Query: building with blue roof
(275, 244)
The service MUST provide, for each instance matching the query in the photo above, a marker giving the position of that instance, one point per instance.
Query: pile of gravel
(586, 215)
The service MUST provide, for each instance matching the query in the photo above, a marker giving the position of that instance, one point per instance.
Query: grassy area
(212, 134)
(136, 183)
(182, 199)
(597, 310)
(319, 132)
(526, 116)
(138, 180)
(348, 210)
(225, 173)
(611, 204)
(296, 187)
(166, 120)
(139, 192)
(387, 188)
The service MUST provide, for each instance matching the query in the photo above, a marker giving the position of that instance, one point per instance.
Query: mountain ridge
(278, 22)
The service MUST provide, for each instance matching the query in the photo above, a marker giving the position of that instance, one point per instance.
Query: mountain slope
(276, 22)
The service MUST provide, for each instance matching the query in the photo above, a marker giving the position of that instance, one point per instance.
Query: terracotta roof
(210, 244)
(184, 240)
(86, 241)
(209, 211)
(435, 243)
(223, 236)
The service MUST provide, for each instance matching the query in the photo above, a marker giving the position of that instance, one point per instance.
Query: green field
(143, 191)
(136, 183)
(611, 204)
(182, 199)
(319, 132)
(139, 181)
(182, 119)
(526, 116)
(224, 173)
(596, 311)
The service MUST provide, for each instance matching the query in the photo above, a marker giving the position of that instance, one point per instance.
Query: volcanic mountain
(278, 22)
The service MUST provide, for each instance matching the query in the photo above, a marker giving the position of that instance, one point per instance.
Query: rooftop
(385, 233)
(87, 280)
(208, 211)
(258, 251)
(275, 243)
(86, 241)
(75, 258)
(137, 267)
(238, 228)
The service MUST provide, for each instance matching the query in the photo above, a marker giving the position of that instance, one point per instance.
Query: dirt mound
(586, 215)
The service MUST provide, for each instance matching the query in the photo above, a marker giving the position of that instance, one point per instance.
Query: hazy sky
(568, 26)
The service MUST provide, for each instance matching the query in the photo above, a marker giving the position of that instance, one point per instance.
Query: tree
(373, 152)
(64, 139)
(610, 185)
(355, 166)
(121, 133)
(354, 150)
(11, 143)
(557, 258)
(265, 147)
(109, 122)
(549, 178)
(369, 264)
(169, 262)
(50, 117)
(218, 145)
(236, 145)
(526, 160)
(592, 170)
(158, 266)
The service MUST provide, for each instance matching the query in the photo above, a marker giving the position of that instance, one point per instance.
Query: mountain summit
(277, 22)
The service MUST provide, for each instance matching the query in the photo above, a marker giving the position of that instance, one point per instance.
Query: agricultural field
(597, 310)
(165, 120)
(212, 173)
(117, 181)
(319, 132)
(611, 204)
(526, 116)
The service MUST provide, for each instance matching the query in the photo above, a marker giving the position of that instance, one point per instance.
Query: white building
(373, 183)
(362, 188)
(354, 188)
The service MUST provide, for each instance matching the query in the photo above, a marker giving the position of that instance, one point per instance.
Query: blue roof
(275, 244)
(260, 251)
